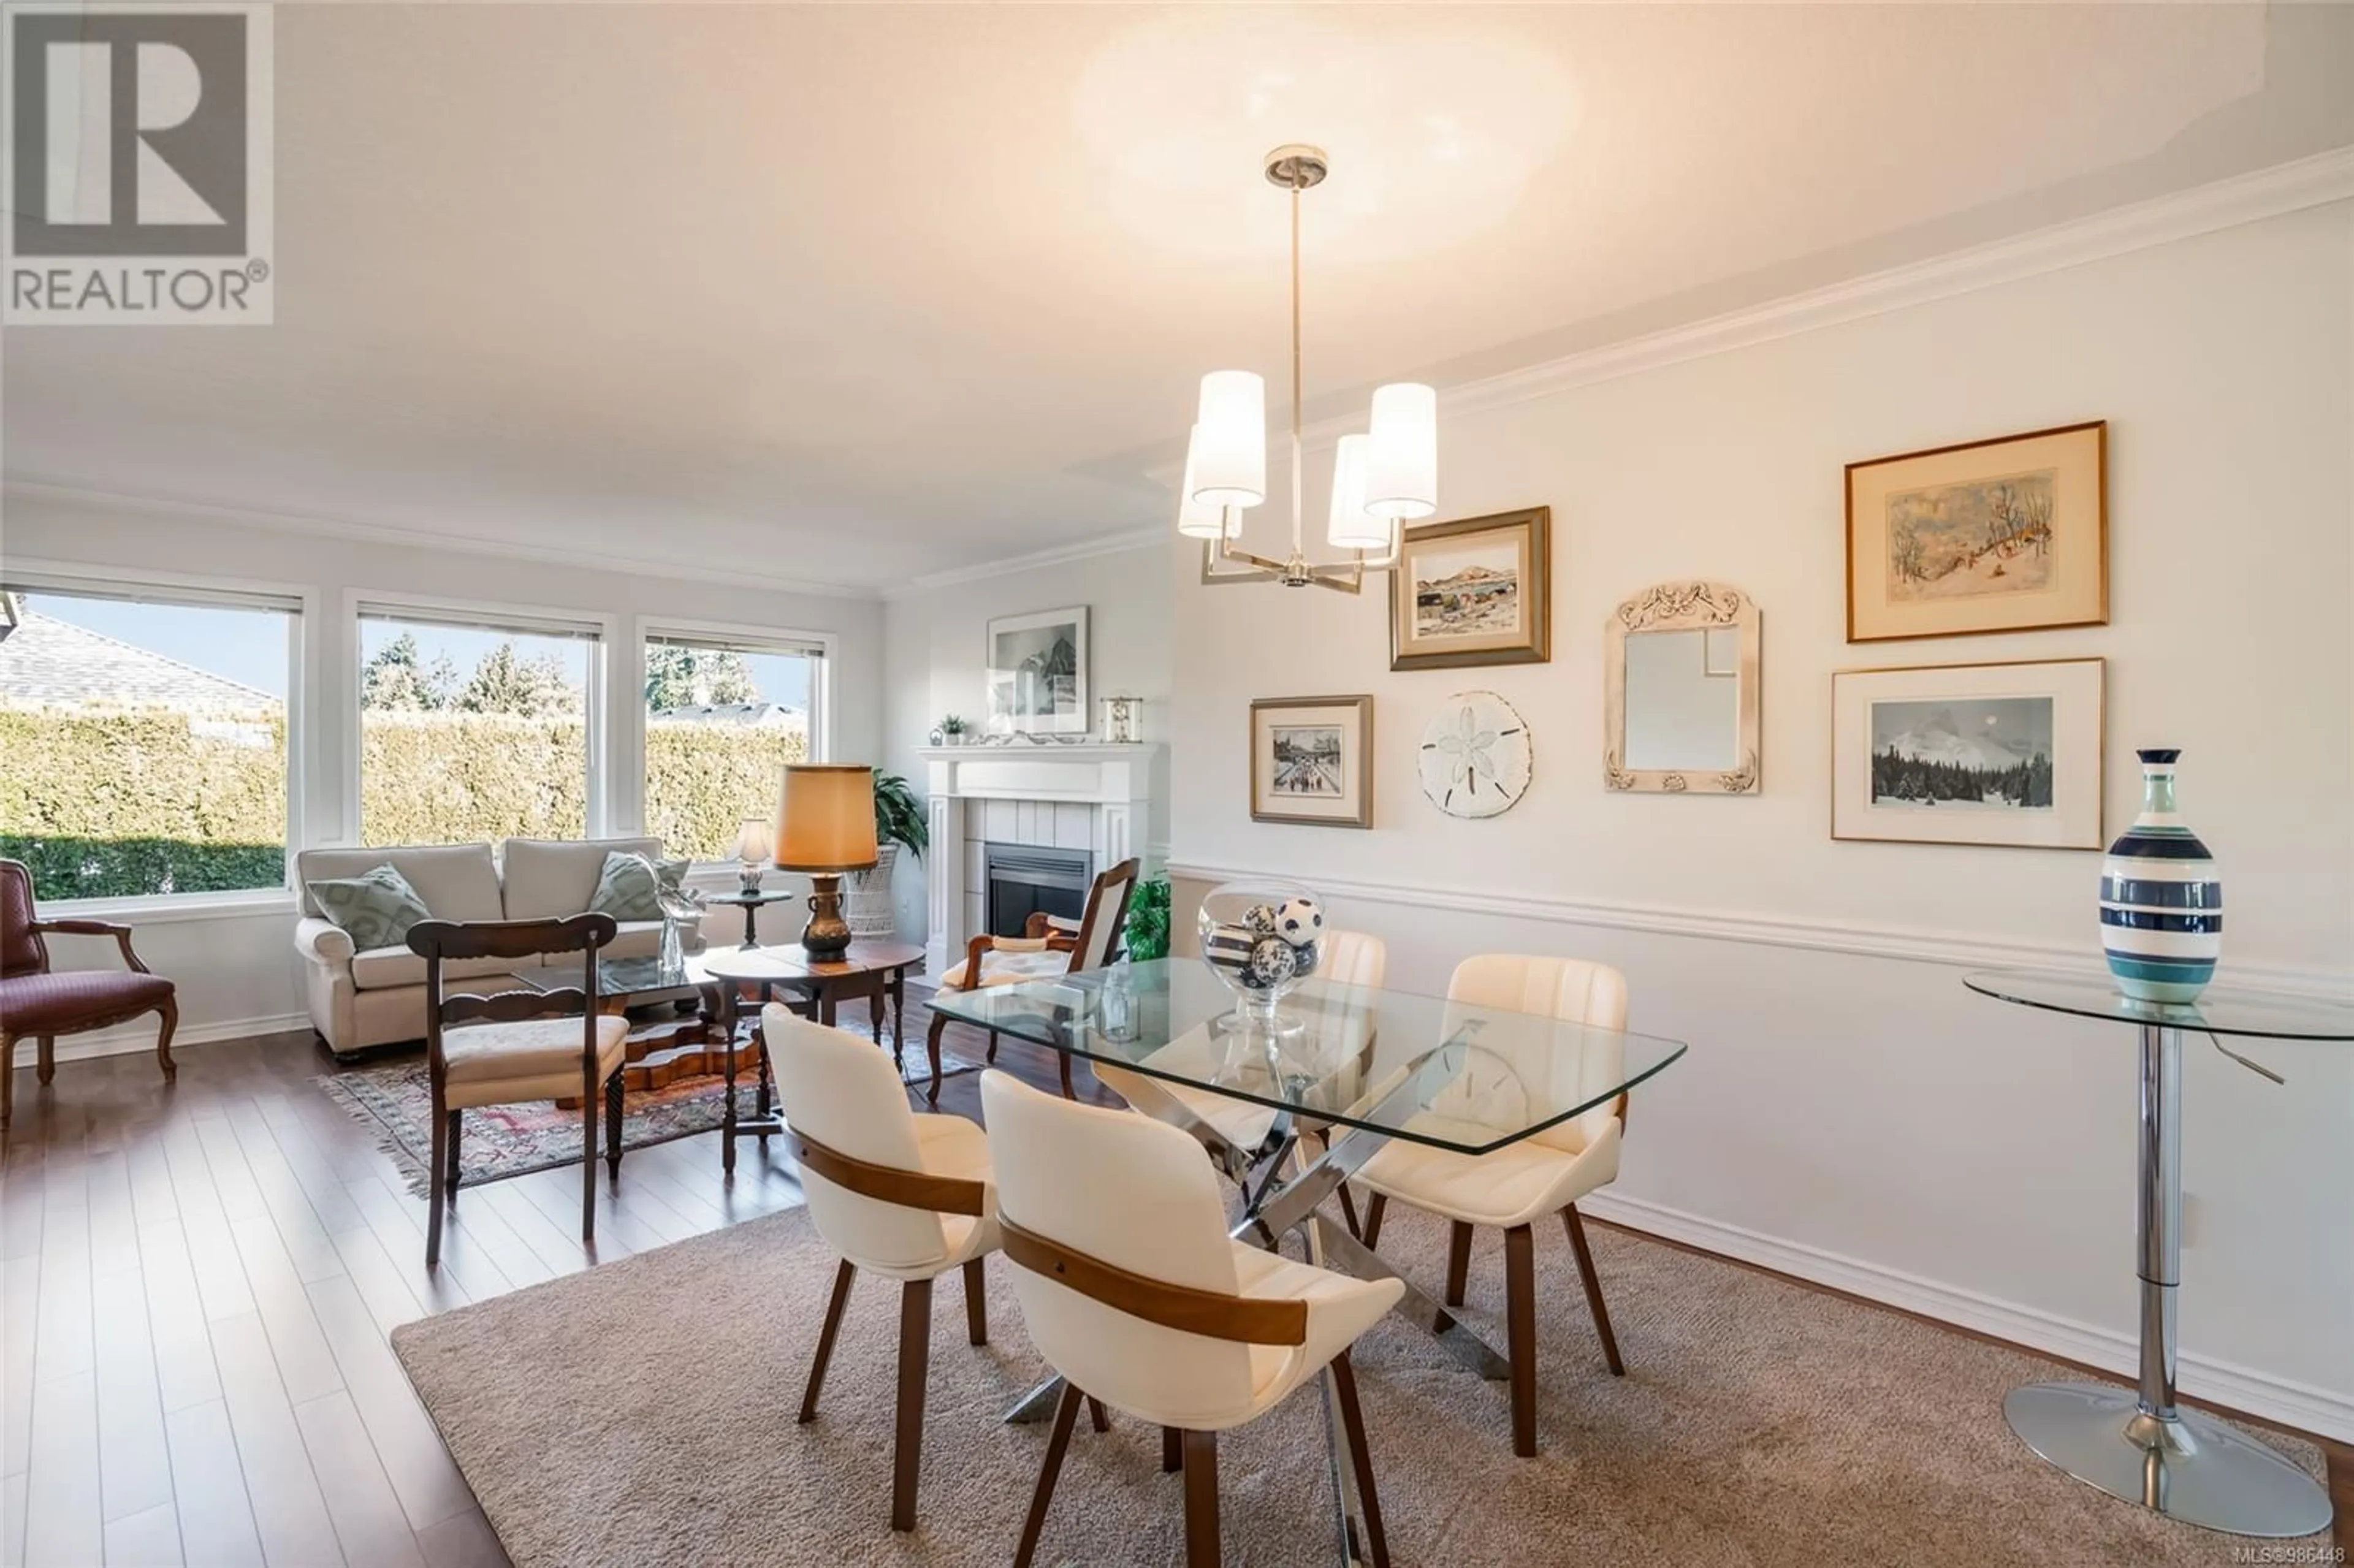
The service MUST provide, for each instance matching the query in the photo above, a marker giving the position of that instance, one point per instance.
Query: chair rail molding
(1954, 949)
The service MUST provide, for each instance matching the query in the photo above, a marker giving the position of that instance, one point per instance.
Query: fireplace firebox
(1027, 879)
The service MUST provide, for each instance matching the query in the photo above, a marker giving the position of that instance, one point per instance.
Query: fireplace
(1026, 879)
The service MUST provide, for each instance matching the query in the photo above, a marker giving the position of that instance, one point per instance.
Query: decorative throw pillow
(632, 886)
(376, 909)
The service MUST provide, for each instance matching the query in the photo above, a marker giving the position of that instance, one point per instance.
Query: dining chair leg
(1374, 1208)
(613, 1123)
(1201, 1499)
(1521, 1335)
(45, 1057)
(457, 1120)
(1458, 1261)
(436, 1178)
(1353, 1424)
(907, 1440)
(7, 1076)
(1063, 1060)
(1066, 1411)
(976, 1303)
(840, 1299)
(1575, 1223)
(1097, 1414)
(1349, 1212)
(992, 1047)
(169, 1015)
(1173, 1450)
(589, 1098)
(932, 1050)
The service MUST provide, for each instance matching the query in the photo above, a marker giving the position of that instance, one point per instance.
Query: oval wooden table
(876, 971)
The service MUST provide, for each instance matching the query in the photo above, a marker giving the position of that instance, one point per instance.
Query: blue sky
(250, 647)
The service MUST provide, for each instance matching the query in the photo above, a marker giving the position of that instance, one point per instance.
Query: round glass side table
(2136, 1445)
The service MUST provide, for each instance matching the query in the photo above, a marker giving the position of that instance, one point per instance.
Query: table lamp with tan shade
(825, 826)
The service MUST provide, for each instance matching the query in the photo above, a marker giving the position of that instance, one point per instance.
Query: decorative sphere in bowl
(1261, 939)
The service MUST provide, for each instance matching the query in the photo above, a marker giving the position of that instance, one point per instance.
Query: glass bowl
(1261, 938)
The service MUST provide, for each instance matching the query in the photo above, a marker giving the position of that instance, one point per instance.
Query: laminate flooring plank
(184, 1373)
(423, 1475)
(289, 1512)
(64, 1517)
(133, 1454)
(369, 1523)
(208, 1490)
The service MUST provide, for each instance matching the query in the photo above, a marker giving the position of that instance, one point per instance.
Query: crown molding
(2253, 197)
(425, 539)
(1084, 550)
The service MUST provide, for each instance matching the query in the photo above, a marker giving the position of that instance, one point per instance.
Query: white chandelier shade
(1230, 441)
(1351, 526)
(1402, 469)
(1199, 519)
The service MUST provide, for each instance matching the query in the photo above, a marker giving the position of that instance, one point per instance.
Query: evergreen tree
(396, 679)
(679, 677)
(530, 686)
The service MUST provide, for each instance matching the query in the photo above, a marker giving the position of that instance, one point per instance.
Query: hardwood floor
(198, 1282)
(196, 1285)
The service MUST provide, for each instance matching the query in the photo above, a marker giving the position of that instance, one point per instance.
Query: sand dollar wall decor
(1474, 758)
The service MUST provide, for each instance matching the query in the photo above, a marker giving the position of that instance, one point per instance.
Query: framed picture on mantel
(2010, 535)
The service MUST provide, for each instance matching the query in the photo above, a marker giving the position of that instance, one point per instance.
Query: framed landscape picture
(1038, 672)
(2009, 534)
(1312, 761)
(1969, 754)
(1473, 592)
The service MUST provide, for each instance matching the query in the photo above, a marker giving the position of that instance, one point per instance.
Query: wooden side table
(876, 971)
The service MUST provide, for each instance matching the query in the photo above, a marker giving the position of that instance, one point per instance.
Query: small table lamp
(825, 826)
(753, 849)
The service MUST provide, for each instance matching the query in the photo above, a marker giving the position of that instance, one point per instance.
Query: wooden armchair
(1050, 951)
(40, 1003)
(519, 1046)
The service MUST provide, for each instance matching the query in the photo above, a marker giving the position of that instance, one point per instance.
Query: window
(724, 714)
(473, 728)
(144, 739)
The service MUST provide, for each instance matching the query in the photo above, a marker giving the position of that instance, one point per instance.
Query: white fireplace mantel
(1113, 784)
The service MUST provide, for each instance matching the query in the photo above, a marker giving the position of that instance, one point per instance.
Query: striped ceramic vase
(2161, 907)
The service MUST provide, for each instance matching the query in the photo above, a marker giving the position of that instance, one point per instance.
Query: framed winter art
(1969, 754)
(2010, 535)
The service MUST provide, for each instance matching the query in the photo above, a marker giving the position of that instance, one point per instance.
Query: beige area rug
(642, 1413)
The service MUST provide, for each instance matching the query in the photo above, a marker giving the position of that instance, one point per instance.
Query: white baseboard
(2319, 1411)
(139, 1035)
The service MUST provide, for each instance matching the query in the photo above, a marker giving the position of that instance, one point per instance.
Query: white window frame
(491, 616)
(40, 575)
(684, 628)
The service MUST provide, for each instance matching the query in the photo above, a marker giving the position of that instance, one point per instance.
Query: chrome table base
(2192, 1468)
(2134, 1444)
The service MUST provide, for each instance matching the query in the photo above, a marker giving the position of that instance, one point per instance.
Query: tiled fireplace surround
(1094, 797)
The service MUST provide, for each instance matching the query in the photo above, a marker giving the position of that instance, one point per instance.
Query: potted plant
(900, 822)
(1146, 933)
(952, 730)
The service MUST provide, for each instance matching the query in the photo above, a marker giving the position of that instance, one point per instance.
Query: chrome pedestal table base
(2134, 1444)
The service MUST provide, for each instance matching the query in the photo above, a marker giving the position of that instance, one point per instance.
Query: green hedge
(112, 805)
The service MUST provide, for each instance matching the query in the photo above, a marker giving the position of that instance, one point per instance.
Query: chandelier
(1382, 477)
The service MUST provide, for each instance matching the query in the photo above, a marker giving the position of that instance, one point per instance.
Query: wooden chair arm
(116, 929)
(973, 951)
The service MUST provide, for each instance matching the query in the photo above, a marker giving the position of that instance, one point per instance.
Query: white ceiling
(858, 293)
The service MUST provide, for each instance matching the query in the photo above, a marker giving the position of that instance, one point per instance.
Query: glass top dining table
(1394, 1064)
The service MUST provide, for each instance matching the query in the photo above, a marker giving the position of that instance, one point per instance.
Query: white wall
(1848, 1110)
(936, 648)
(236, 972)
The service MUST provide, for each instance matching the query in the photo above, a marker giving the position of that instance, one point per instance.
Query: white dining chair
(902, 1195)
(1345, 958)
(1132, 1290)
(1542, 1174)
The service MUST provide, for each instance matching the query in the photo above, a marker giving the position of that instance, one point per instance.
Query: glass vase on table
(679, 907)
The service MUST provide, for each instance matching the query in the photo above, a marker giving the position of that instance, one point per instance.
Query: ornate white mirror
(1679, 691)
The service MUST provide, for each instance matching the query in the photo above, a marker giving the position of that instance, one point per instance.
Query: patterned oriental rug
(395, 1098)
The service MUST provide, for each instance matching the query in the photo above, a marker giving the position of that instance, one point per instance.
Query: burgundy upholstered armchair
(39, 1004)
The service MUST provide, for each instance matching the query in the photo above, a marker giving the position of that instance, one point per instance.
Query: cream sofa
(377, 997)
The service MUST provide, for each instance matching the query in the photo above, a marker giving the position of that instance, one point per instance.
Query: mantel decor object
(825, 826)
(2162, 906)
(1122, 716)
